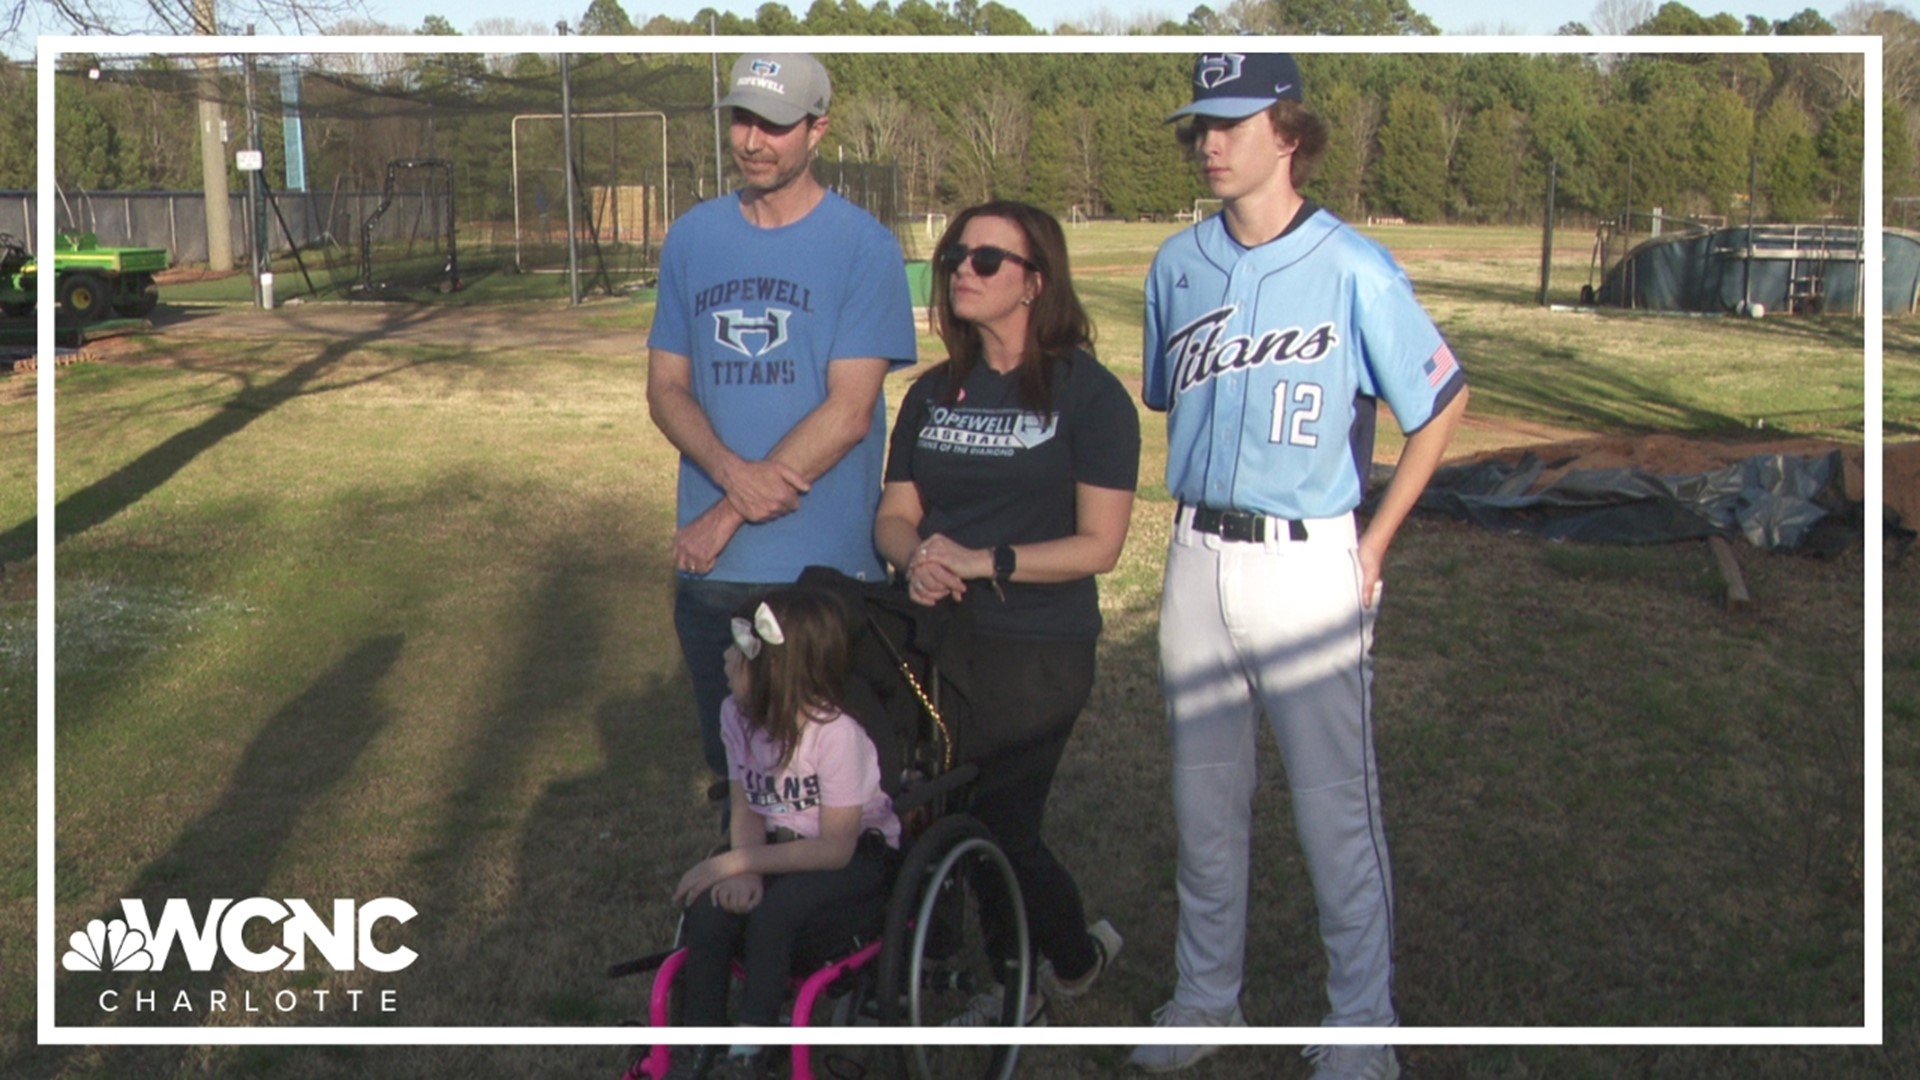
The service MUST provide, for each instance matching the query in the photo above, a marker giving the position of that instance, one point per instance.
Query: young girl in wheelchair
(812, 833)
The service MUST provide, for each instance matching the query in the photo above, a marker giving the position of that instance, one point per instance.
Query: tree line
(1422, 137)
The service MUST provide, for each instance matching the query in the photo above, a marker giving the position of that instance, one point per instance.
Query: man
(781, 310)
(1272, 330)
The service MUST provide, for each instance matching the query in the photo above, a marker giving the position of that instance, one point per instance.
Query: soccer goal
(1205, 208)
(1076, 217)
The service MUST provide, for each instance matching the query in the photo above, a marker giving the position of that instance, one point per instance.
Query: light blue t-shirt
(763, 313)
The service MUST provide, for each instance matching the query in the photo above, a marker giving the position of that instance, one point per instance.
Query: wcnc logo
(135, 943)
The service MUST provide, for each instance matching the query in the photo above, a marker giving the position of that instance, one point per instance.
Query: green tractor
(89, 280)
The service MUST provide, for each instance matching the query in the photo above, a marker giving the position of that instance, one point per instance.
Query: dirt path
(550, 326)
(557, 327)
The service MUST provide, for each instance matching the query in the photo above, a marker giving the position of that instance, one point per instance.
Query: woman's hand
(940, 568)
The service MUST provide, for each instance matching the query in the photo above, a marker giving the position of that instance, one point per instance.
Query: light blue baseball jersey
(1269, 362)
(763, 314)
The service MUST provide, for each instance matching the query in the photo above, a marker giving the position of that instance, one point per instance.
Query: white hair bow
(764, 627)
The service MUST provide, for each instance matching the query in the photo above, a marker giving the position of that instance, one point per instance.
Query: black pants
(1027, 696)
(813, 913)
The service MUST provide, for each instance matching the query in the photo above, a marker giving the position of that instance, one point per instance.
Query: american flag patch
(1439, 365)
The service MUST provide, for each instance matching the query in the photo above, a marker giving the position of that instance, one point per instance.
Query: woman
(1009, 485)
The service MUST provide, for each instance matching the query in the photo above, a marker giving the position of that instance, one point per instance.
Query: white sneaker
(1106, 946)
(1353, 1062)
(985, 1010)
(1166, 1059)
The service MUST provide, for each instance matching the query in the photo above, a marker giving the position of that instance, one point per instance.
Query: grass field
(356, 617)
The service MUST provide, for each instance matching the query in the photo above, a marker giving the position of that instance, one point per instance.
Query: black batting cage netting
(392, 173)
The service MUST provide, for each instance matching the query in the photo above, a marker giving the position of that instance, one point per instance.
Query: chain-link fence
(177, 221)
(617, 223)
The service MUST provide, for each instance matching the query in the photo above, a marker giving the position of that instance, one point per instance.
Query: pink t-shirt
(835, 764)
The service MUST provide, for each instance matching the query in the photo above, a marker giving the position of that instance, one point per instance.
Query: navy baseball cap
(1234, 86)
(783, 87)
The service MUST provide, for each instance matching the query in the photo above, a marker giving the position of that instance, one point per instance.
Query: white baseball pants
(1275, 628)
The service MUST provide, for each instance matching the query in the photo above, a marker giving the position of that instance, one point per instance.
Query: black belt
(1244, 526)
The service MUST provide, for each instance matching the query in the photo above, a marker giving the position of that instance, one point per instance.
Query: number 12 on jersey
(1292, 412)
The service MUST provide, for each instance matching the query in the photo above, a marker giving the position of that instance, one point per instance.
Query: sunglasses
(987, 259)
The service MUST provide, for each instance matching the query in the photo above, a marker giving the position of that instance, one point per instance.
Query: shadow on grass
(514, 938)
(299, 758)
(101, 500)
(596, 853)
(1573, 390)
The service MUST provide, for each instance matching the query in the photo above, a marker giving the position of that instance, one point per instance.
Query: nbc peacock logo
(107, 946)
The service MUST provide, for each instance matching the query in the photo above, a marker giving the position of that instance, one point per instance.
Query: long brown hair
(804, 676)
(1056, 324)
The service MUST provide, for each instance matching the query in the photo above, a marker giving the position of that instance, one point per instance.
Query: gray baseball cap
(783, 87)
(1234, 86)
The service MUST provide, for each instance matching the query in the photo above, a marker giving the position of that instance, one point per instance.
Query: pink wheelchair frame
(654, 1064)
(899, 638)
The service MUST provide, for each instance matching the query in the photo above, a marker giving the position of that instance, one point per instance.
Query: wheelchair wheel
(934, 961)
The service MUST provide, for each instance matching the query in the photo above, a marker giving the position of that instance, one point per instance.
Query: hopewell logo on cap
(1216, 69)
(766, 68)
(1234, 86)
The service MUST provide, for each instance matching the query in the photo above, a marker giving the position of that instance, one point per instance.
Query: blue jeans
(703, 616)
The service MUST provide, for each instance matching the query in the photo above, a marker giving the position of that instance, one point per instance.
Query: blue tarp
(1774, 501)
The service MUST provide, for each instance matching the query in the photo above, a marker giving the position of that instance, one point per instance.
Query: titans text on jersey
(1198, 350)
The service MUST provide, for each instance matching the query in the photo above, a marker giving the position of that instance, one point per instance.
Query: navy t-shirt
(990, 472)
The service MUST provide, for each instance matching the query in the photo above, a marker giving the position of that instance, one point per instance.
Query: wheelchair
(926, 959)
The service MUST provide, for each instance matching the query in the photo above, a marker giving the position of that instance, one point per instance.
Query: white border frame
(49, 51)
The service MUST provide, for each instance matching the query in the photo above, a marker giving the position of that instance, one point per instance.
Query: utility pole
(213, 151)
(713, 61)
(573, 198)
(1546, 232)
(256, 206)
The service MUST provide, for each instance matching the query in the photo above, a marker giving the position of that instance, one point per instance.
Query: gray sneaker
(1106, 946)
(1353, 1062)
(1166, 1059)
(692, 1062)
(741, 1067)
(985, 1009)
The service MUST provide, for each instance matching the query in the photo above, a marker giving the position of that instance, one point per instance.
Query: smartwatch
(1003, 562)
